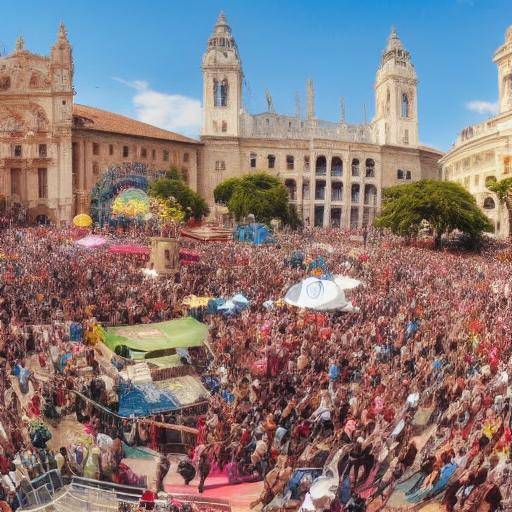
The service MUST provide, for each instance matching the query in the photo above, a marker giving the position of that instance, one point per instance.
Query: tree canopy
(173, 187)
(261, 194)
(444, 204)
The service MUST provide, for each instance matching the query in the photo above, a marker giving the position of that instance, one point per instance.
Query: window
(126, 151)
(220, 165)
(165, 155)
(42, 183)
(337, 191)
(292, 189)
(370, 195)
(271, 161)
(336, 166)
(354, 217)
(405, 105)
(320, 190)
(224, 127)
(507, 165)
(143, 153)
(43, 153)
(110, 149)
(95, 148)
(370, 168)
(16, 182)
(153, 154)
(406, 137)
(355, 167)
(400, 174)
(95, 169)
(321, 166)
(220, 93)
(489, 203)
(306, 164)
(290, 162)
(252, 159)
(305, 190)
(408, 175)
(17, 150)
(354, 193)
(186, 157)
(184, 174)
(319, 216)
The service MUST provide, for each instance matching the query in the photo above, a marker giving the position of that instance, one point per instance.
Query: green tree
(261, 194)
(503, 191)
(444, 204)
(173, 186)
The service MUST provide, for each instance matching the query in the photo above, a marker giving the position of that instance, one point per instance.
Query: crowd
(405, 401)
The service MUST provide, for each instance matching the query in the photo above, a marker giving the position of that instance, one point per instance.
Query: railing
(84, 494)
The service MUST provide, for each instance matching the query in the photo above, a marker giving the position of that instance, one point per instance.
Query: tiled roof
(104, 121)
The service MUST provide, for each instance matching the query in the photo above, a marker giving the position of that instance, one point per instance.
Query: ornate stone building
(53, 151)
(334, 171)
(484, 151)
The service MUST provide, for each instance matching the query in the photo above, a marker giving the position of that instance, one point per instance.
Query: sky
(142, 58)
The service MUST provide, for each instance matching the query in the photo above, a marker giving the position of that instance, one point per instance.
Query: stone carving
(39, 81)
(5, 82)
(31, 118)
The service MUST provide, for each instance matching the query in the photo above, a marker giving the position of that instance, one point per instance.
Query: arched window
(321, 166)
(408, 175)
(355, 167)
(220, 93)
(370, 168)
(336, 166)
(405, 105)
(489, 203)
(399, 174)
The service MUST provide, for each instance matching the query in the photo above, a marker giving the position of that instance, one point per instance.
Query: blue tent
(145, 399)
(254, 234)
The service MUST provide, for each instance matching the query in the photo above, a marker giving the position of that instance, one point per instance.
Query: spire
(394, 42)
(311, 99)
(20, 43)
(62, 35)
(222, 25)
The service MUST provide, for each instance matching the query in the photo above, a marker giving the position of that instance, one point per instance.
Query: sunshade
(179, 333)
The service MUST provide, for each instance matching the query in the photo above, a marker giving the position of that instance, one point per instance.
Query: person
(186, 470)
(204, 467)
(163, 468)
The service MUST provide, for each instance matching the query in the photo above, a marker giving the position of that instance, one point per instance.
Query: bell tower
(396, 104)
(503, 59)
(222, 83)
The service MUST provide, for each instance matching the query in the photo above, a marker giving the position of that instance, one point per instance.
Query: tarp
(128, 249)
(91, 241)
(318, 294)
(180, 333)
(253, 233)
(144, 400)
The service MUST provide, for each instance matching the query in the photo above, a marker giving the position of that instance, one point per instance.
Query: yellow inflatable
(82, 220)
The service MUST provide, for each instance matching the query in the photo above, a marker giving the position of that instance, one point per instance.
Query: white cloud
(173, 112)
(483, 107)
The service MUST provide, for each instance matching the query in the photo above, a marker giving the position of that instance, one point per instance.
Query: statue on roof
(20, 43)
(270, 103)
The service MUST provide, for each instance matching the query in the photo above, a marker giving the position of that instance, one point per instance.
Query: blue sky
(143, 59)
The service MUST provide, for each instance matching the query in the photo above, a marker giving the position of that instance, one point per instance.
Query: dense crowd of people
(405, 401)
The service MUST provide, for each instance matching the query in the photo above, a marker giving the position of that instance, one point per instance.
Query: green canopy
(181, 333)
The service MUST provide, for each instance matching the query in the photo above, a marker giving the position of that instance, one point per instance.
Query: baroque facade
(484, 151)
(53, 151)
(334, 171)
